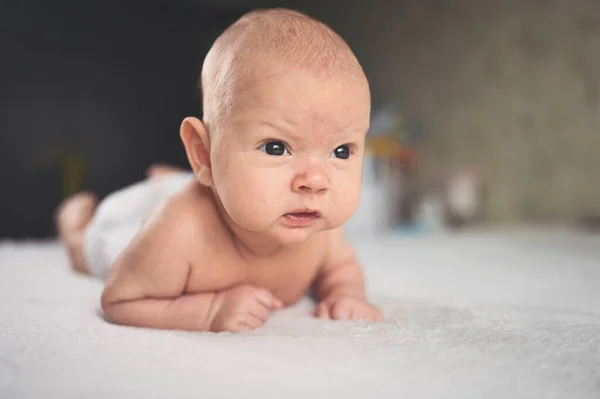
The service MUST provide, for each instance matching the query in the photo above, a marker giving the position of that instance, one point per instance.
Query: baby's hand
(244, 308)
(347, 308)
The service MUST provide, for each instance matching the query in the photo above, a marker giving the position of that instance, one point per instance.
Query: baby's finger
(322, 312)
(251, 322)
(277, 303)
(259, 311)
(367, 316)
(373, 315)
(378, 315)
(244, 326)
(264, 297)
(236, 325)
(360, 314)
(341, 312)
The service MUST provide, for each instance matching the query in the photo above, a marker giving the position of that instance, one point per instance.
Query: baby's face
(288, 163)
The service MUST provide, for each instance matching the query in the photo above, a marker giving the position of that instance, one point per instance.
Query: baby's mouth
(301, 218)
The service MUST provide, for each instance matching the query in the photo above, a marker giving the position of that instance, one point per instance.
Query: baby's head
(286, 111)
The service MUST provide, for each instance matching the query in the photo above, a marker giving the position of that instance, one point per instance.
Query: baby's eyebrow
(353, 127)
(351, 132)
(286, 126)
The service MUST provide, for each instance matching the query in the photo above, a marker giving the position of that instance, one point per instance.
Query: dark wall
(108, 82)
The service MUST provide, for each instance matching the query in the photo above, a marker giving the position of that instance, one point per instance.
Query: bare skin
(260, 226)
(161, 169)
(236, 296)
(72, 217)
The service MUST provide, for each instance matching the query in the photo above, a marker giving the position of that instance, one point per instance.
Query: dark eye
(342, 152)
(275, 148)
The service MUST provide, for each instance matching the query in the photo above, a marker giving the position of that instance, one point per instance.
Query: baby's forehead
(249, 70)
(317, 125)
(259, 47)
(301, 92)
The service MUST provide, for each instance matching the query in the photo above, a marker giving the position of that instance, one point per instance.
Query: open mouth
(302, 218)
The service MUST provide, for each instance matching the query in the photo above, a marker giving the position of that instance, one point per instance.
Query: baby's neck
(250, 246)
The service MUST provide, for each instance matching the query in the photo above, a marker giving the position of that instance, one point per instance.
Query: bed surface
(477, 315)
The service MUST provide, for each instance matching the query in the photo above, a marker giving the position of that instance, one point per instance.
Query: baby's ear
(195, 138)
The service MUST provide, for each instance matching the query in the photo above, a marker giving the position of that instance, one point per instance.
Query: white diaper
(119, 216)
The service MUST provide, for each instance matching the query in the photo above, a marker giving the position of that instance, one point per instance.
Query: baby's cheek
(354, 198)
(258, 198)
(268, 193)
(347, 198)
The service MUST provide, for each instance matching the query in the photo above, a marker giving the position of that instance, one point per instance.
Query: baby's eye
(276, 148)
(341, 152)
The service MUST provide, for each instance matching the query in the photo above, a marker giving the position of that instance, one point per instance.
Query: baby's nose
(312, 180)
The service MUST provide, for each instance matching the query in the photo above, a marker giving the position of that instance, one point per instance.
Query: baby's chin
(284, 232)
(286, 235)
(294, 236)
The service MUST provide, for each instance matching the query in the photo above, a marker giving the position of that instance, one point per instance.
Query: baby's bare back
(185, 256)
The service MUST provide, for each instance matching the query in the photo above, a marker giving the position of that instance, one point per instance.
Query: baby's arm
(340, 284)
(147, 288)
(340, 273)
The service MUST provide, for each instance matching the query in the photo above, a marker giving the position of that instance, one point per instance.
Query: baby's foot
(72, 216)
(159, 169)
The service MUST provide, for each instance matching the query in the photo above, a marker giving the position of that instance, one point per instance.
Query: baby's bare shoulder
(186, 223)
(159, 259)
(175, 220)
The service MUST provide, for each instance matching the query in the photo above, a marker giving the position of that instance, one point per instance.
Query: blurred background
(484, 112)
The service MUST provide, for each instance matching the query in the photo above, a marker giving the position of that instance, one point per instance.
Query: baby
(276, 171)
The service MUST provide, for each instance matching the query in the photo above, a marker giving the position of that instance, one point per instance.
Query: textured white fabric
(487, 315)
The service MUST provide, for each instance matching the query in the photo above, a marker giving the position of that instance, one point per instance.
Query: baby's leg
(72, 217)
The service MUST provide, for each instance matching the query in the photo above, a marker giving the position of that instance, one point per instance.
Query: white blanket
(471, 316)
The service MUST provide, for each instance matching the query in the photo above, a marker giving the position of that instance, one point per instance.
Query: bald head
(268, 41)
